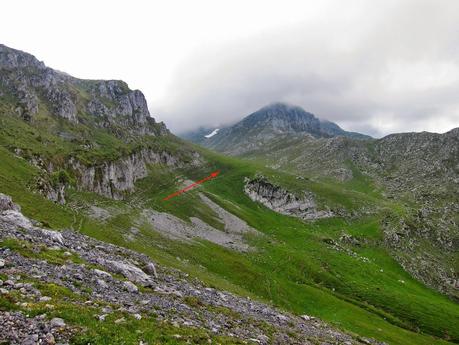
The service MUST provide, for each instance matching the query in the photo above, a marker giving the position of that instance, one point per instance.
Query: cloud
(375, 67)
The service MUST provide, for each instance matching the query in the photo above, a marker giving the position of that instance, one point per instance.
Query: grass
(293, 267)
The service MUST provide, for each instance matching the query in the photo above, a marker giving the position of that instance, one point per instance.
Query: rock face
(114, 179)
(264, 125)
(38, 88)
(176, 299)
(282, 201)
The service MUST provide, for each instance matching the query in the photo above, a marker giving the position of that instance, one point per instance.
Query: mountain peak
(271, 122)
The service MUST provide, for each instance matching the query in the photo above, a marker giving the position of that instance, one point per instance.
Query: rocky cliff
(282, 201)
(31, 88)
(114, 179)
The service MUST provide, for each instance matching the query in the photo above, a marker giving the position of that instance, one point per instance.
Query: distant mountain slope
(420, 169)
(270, 122)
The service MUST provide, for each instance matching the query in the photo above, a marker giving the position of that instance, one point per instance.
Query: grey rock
(150, 269)
(55, 236)
(131, 287)
(131, 272)
(7, 204)
(282, 201)
(57, 322)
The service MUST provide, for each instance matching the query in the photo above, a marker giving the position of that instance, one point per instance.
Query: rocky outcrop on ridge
(30, 87)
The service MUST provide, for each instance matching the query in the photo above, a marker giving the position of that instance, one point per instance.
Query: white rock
(2, 263)
(131, 287)
(4, 291)
(16, 218)
(53, 235)
(131, 272)
(102, 273)
(137, 316)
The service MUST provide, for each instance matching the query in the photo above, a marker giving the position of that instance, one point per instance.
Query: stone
(45, 299)
(2, 263)
(49, 339)
(151, 269)
(53, 235)
(137, 316)
(6, 203)
(4, 291)
(57, 322)
(131, 272)
(121, 320)
(131, 287)
(102, 284)
(102, 317)
(102, 273)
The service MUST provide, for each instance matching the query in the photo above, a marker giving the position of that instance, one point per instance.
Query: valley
(353, 273)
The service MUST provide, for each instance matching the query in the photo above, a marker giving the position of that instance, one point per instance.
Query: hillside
(94, 254)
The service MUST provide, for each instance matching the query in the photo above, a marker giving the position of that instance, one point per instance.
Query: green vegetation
(298, 266)
(53, 256)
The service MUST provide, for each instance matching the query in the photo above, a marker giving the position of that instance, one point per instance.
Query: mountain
(269, 122)
(333, 244)
(418, 169)
(29, 89)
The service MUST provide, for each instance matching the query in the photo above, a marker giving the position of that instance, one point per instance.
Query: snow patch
(210, 135)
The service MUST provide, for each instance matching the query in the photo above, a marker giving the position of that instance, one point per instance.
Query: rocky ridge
(113, 280)
(30, 87)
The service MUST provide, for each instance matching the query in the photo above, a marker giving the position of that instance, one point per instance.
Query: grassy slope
(293, 267)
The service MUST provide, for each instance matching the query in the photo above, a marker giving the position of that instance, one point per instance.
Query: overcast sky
(376, 66)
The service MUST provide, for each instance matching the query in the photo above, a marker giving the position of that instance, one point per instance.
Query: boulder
(131, 272)
(150, 269)
(53, 235)
(6, 203)
(131, 287)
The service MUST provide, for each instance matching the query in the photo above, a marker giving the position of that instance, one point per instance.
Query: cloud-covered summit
(375, 68)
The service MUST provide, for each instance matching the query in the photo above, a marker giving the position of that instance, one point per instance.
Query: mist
(372, 67)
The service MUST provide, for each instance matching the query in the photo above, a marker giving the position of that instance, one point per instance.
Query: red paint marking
(187, 188)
